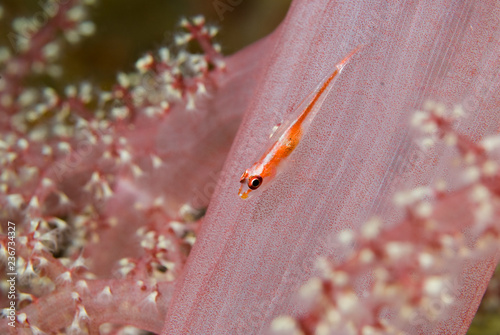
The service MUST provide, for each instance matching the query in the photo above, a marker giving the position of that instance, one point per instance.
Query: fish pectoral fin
(274, 129)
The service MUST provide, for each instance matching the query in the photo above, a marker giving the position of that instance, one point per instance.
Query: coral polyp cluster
(69, 158)
(411, 268)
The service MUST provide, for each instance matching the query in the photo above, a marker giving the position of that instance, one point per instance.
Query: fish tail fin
(344, 61)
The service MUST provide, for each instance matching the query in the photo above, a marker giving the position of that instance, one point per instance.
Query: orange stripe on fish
(288, 135)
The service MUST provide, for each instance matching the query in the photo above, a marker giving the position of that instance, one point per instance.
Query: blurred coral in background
(385, 222)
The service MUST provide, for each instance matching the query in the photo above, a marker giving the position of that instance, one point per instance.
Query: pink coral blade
(251, 257)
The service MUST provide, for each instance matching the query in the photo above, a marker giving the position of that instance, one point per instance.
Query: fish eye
(254, 182)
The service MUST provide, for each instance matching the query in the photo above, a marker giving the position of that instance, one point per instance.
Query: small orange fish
(287, 136)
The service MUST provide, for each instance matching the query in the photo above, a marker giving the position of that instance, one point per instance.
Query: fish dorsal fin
(316, 98)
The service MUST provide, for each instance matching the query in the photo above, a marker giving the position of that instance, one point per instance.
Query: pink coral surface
(251, 256)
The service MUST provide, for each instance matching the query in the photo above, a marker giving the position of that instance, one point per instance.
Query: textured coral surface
(254, 254)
